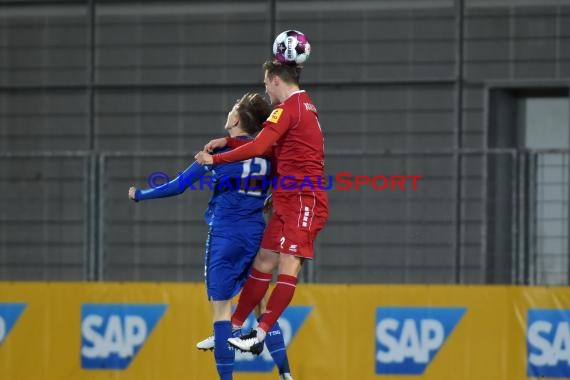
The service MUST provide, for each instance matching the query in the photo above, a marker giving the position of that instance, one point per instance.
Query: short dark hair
(252, 110)
(289, 73)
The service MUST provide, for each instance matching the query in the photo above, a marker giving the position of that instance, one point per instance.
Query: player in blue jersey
(235, 218)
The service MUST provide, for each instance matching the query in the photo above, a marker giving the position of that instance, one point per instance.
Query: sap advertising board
(409, 338)
(113, 334)
(548, 343)
(9, 314)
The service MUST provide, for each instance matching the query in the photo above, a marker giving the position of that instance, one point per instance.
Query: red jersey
(294, 133)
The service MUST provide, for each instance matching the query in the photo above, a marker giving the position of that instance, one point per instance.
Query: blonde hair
(252, 110)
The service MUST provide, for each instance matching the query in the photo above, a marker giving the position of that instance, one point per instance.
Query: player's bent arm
(177, 186)
(230, 142)
(234, 142)
(260, 146)
(215, 144)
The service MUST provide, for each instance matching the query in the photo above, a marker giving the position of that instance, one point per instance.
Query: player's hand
(204, 158)
(215, 144)
(132, 193)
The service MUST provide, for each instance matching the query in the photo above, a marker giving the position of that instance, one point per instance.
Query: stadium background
(472, 95)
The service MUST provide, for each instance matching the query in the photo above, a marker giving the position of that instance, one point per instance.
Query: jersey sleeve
(261, 146)
(177, 186)
(274, 127)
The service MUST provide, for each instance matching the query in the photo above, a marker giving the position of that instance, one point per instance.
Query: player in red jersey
(293, 136)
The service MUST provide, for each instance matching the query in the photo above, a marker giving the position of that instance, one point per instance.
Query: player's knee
(222, 310)
(266, 261)
(290, 265)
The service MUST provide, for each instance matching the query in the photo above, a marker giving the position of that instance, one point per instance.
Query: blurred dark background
(470, 94)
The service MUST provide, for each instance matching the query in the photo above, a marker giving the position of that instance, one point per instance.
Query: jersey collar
(293, 93)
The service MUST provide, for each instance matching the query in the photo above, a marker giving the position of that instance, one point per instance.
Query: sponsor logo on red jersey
(275, 115)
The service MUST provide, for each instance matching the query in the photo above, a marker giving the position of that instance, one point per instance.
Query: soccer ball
(291, 46)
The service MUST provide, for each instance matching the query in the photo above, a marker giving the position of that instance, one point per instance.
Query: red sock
(252, 293)
(279, 300)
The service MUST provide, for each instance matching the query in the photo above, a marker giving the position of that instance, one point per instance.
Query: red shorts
(296, 220)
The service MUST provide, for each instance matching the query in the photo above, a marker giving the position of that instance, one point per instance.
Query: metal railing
(514, 207)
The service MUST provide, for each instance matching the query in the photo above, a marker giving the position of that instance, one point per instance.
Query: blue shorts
(229, 257)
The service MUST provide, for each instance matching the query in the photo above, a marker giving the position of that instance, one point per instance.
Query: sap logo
(548, 343)
(290, 322)
(9, 314)
(408, 338)
(112, 334)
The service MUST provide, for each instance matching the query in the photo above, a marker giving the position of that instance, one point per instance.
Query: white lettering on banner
(115, 339)
(550, 353)
(414, 342)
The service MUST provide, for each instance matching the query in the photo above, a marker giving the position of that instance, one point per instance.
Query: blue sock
(276, 347)
(224, 356)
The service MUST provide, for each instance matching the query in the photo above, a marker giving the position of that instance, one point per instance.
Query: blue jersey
(239, 191)
(234, 214)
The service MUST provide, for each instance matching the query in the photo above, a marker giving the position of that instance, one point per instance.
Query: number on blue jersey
(253, 167)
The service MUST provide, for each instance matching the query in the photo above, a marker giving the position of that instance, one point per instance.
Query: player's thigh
(273, 233)
(227, 267)
(303, 215)
(283, 233)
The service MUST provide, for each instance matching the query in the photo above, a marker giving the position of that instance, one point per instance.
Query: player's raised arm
(216, 144)
(260, 146)
(177, 186)
(230, 142)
